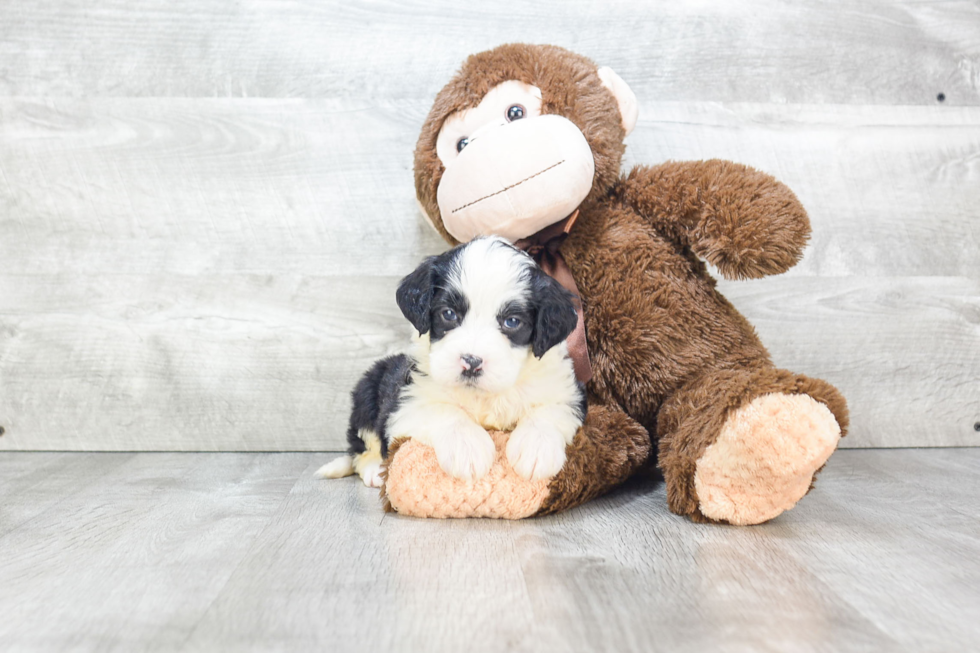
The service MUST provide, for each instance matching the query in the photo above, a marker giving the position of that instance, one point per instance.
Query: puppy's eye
(449, 315)
(512, 323)
(461, 143)
(515, 112)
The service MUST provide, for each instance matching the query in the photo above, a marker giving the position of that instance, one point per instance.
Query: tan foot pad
(417, 486)
(765, 457)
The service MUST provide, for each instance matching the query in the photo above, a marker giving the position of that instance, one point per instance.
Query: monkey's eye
(515, 112)
(449, 315)
(512, 322)
(461, 143)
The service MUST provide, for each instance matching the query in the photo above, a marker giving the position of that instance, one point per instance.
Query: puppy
(491, 354)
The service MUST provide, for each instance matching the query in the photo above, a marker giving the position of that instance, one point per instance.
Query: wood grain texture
(215, 274)
(29, 485)
(116, 186)
(871, 52)
(891, 191)
(204, 209)
(197, 186)
(904, 351)
(206, 552)
(200, 362)
(258, 363)
(136, 548)
(918, 519)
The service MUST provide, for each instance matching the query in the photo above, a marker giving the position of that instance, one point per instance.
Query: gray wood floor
(169, 551)
(205, 207)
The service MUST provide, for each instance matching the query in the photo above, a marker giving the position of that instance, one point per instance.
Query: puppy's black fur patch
(556, 317)
(446, 299)
(376, 396)
(417, 292)
(519, 336)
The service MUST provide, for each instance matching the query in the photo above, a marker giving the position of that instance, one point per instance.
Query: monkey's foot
(765, 457)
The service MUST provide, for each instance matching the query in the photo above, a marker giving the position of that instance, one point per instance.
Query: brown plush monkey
(521, 138)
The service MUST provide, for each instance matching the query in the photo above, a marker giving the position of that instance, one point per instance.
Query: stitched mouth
(507, 188)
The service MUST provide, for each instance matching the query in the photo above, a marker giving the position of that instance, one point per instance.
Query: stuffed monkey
(527, 137)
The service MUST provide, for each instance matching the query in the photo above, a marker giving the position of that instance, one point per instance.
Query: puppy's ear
(414, 295)
(556, 317)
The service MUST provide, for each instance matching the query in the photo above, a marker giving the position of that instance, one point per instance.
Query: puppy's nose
(471, 365)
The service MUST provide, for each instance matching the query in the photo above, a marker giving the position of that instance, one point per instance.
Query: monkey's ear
(414, 295)
(628, 107)
(425, 214)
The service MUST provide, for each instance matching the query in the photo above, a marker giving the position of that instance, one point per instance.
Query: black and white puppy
(491, 354)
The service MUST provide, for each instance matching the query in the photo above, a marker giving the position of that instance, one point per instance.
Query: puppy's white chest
(497, 413)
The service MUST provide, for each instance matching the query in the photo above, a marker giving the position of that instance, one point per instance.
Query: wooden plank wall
(205, 207)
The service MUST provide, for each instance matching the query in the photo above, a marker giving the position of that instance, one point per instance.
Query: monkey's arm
(740, 220)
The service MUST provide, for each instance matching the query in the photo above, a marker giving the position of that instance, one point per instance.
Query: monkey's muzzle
(516, 179)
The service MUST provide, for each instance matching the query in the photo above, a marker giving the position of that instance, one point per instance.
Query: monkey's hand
(741, 220)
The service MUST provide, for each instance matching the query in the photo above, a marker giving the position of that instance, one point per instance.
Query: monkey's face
(519, 139)
(510, 171)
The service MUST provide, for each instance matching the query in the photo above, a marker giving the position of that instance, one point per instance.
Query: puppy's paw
(536, 450)
(371, 474)
(465, 450)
